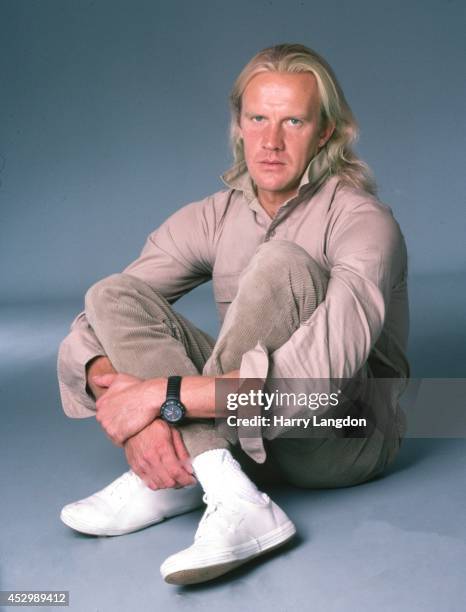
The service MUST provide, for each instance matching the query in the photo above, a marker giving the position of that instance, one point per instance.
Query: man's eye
(295, 121)
(257, 118)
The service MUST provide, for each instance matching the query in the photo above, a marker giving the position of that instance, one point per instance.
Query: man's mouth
(267, 162)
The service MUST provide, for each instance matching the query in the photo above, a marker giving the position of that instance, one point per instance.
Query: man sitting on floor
(309, 273)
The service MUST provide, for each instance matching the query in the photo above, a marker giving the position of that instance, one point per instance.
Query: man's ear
(239, 131)
(326, 133)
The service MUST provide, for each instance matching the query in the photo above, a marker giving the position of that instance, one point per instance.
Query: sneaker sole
(89, 529)
(209, 571)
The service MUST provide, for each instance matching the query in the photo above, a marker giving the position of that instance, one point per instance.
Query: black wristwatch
(172, 410)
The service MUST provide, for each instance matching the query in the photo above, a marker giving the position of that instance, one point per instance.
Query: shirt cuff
(254, 364)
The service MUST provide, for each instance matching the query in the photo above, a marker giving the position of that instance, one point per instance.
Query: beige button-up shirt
(363, 321)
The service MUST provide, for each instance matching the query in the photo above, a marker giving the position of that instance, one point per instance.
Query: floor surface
(398, 543)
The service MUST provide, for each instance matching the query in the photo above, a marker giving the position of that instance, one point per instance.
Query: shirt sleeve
(176, 257)
(366, 256)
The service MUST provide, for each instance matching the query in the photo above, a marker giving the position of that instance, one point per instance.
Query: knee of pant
(108, 291)
(272, 259)
(278, 251)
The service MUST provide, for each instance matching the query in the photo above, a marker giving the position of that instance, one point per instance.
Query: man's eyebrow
(290, 116)
(298, 116)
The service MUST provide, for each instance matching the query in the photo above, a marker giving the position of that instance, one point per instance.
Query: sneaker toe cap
(85, 514)
(194, 565)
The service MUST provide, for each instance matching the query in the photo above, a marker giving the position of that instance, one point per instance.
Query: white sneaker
(231, 532)
(126, 505)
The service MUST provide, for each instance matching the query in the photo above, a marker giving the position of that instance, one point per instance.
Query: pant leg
(278, 291)
(323, 463)
(142, 335)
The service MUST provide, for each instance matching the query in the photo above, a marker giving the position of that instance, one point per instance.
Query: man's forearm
(130, 404)
(198, 395)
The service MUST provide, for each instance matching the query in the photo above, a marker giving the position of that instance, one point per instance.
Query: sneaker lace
(218, 517)
(115, 488)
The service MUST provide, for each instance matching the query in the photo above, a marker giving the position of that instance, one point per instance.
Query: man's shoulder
(214, 201)
(350, 199)
(357, 208)
(203, 215)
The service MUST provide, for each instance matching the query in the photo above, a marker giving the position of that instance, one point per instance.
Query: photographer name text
(303, 422)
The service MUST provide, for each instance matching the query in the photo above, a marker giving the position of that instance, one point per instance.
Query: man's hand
(128, 405)
(158, 455)
(98, 366)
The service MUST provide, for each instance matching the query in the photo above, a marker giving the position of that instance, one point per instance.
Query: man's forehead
(281, 88)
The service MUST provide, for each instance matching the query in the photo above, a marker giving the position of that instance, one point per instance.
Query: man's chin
(275, 186)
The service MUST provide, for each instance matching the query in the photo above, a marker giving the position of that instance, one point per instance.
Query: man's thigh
(141, 333)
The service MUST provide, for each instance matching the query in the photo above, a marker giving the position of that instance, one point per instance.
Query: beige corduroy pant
(280, 289)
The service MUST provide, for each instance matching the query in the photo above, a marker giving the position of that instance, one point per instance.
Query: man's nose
(273, 137)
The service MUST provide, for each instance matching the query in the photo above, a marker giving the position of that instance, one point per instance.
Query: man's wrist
(197, 394)
(172, 410)
(156, 389)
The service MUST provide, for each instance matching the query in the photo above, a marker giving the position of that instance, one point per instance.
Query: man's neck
(271, 201)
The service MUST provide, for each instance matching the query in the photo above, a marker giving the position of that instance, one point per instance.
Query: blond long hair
(334, 108)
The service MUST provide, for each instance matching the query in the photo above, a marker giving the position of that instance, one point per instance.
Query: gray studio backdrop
(114, 113)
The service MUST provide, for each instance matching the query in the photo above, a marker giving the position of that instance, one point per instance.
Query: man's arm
(179, 255)
(157, 453)
(176, 257)
(367, 259)
(129, 412)
(159, 457)
(132, 404)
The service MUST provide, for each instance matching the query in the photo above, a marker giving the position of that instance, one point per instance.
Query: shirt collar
(238, 177)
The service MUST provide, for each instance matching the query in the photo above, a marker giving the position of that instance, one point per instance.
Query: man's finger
(181, 450)
(184, 457)
(162, 473)
(173, 465)
(142, 469)
(183, 477)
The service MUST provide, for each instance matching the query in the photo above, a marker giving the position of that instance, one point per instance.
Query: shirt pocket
(225, 289)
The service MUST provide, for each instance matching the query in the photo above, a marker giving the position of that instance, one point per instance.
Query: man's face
(279, 125)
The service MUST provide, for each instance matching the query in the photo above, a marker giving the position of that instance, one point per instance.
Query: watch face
(172, 411)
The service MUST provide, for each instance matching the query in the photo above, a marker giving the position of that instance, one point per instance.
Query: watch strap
(174, 387)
